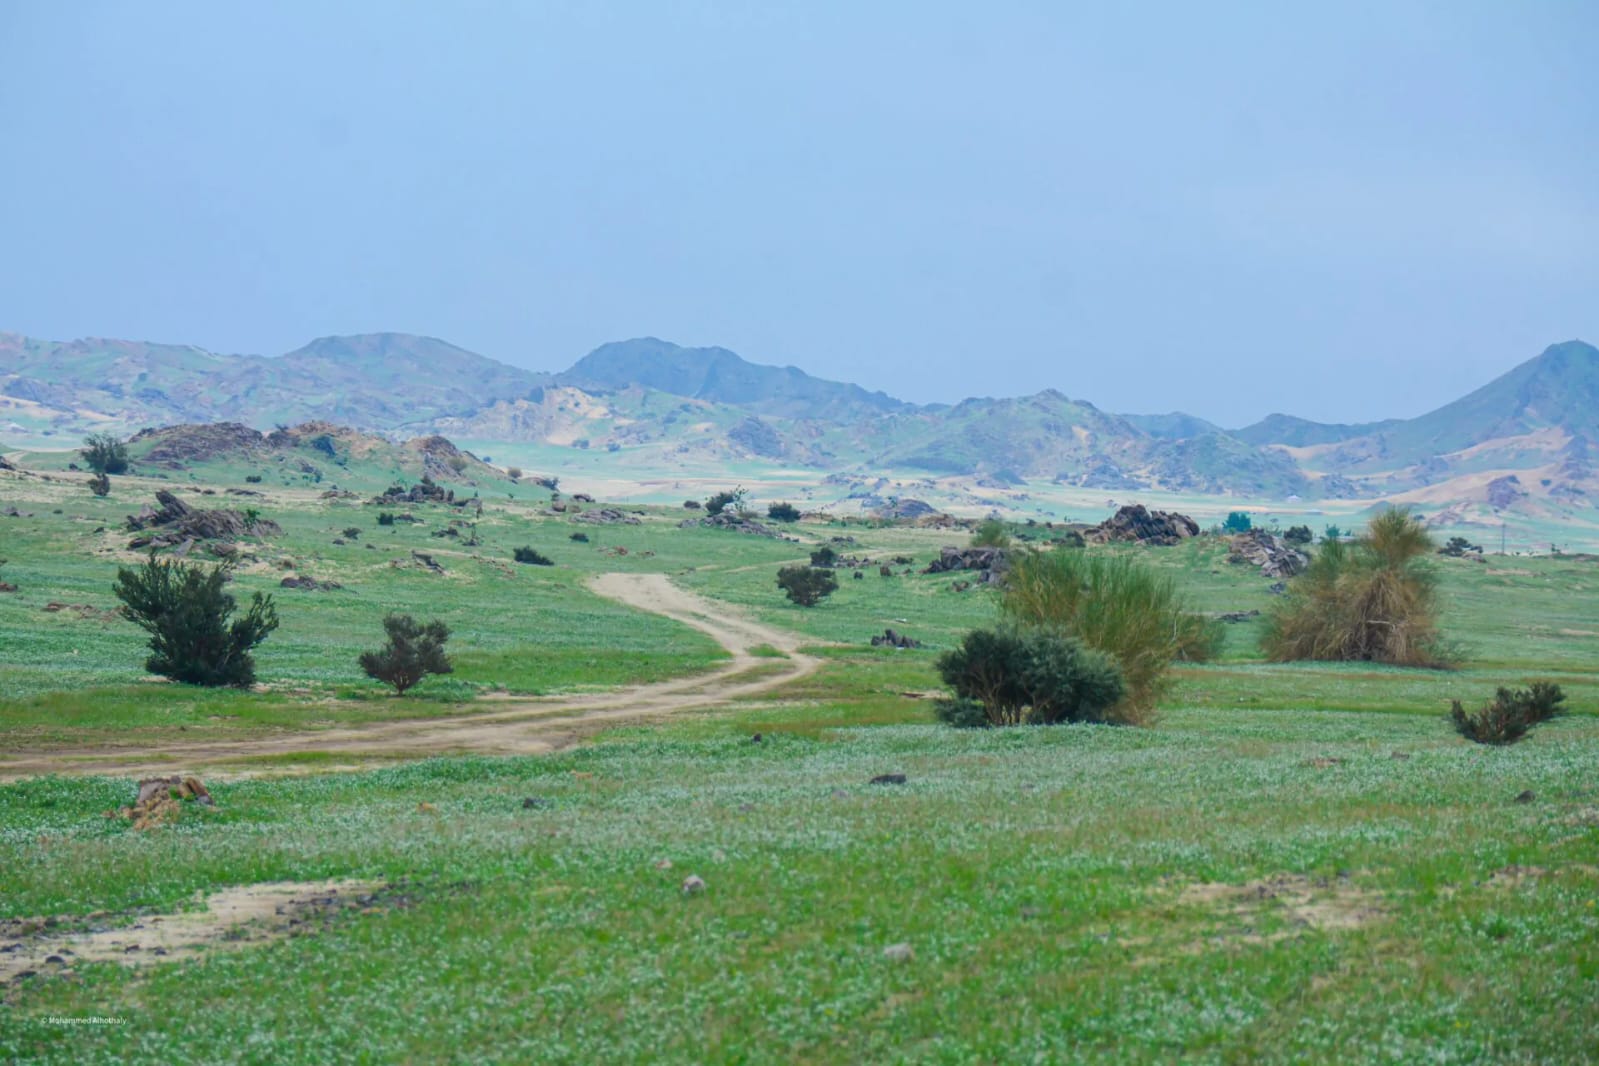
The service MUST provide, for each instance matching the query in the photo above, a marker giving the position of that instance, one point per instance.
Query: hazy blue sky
(1228, 209)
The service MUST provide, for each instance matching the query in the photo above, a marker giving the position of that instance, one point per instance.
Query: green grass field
(1298, 863)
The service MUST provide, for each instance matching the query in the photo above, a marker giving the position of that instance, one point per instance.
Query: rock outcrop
(990, 563)
(1269, 552)
(1137, 523)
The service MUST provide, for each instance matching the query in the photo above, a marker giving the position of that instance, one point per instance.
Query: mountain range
(1521, 441)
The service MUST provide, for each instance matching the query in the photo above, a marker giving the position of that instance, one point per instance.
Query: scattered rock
(991, 563)
(533, 803)
(693, 885)
(12, 512)
(1526, 797)
(310, 584)
(736, 523)
(891, 639)
(160, 801)
(756, 739)
(1134, 522)
(425, 491)
(582, 497)
(605, 516)
(175, 522)
(888, 779)
(1237, 616)
(1277, 588)
(427, 561)
(899, 953)
(905, 509)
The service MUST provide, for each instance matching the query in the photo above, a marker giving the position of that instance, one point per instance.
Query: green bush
(1114, 604)
(186, 611)
(1373, 601)
(721, 501)
(1299, 535)
(1459, 546)
(532, 557)
(385, 518)
(1237, 522)
(961, 713)
(100, 485)
(782, 512)
(105, 454)
(990, 533)
(824, 556)
(1510, 714)
(1034, 676)
(412, 653)
(806, 585)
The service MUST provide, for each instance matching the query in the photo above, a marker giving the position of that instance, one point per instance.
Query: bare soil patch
(234, 917)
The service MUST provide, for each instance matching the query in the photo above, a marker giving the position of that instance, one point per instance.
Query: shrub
(824, 556)
(1237, 522)
(252, 479)
(186, 612)
(413, 651)
(105, 454)
(1299, 535)
(514, 473)
(721, 501)
(1510, 714)
(324, 443)
(960, 713)
(1330, 534)
(456, 463)
(581, 538)
(990, 533)
(1459, 546)
(352, 532)
(100, 485)
(1373, 601)
(385, 518)
(1114, 604)
(692, 505)
(1018, 675)
(532, 557)
(782, 512)
(806, 585)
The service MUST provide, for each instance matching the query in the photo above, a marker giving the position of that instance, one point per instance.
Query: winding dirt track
(516, 725)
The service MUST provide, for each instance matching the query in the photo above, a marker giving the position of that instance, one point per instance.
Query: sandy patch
(234, 917)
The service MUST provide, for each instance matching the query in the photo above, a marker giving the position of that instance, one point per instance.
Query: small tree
(412, 652)
(990, 533)
(1027, 676)
(1459, 546)
(806, 585)
(186, 611)
(782, 512)
(721, 501)
(100, 485)
(105, 454)
(1511, 713)
(1237, 522)
(824, 556)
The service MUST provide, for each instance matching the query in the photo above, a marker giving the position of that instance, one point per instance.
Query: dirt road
(506, 725)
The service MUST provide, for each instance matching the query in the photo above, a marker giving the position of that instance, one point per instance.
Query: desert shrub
(721, 501)
(824, 556)
(960, 713)
(104, 454)
(990, 533)
(1299, 535)
(456, 463)
(1237, 522)
(100, 485)
(1022, 675)
(806, 585)
(532, 557)
(385, 518)
(581, 538)
(782, 512)
(1372, 601)
(1114, 604)
(413, 651)
(1510, 714)
(514, 473)
(352, 532)
(186, 611)
(1459, 546)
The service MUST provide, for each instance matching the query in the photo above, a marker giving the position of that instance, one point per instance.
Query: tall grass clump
(1113, 604)
(1373, 601)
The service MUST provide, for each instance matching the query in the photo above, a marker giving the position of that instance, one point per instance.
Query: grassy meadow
(1298, 863)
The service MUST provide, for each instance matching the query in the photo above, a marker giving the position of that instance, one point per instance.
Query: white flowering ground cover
(1068, 894)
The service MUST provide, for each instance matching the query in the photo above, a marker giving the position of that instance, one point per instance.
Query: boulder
(1135, 522)
(1269, 552)
(991, 563)
(606, 516)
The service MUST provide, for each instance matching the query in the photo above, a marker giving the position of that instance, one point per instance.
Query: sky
(1343, 211)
